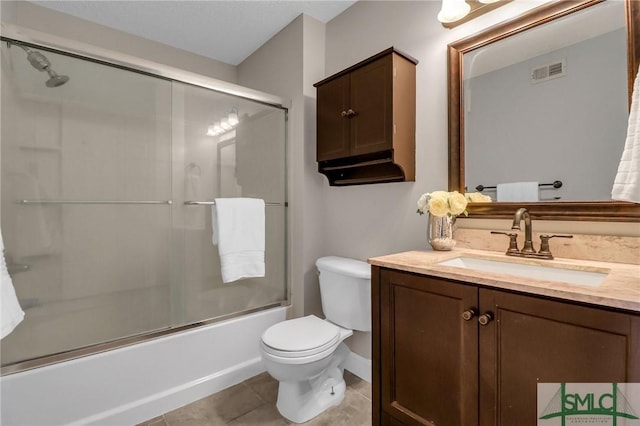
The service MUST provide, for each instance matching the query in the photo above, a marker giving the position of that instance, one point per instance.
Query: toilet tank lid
(345, 266)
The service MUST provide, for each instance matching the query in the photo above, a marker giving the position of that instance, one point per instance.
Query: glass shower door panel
(245, 159)
(85, 179)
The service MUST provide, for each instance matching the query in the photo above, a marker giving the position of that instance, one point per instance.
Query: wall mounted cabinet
(366, 121)
(452, 353)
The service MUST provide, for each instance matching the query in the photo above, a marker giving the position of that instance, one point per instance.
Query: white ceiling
(225, 30)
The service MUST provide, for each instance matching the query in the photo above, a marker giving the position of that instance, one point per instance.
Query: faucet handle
(513, 241)
(544, 243)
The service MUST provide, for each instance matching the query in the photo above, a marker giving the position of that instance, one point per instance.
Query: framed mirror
(543, 99)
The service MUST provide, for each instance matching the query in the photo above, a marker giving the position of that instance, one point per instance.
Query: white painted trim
(176, 397)
(359, 365)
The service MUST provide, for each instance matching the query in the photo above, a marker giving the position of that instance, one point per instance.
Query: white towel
(626, 186)
(239, 231)
(11, 312)
(518, 191)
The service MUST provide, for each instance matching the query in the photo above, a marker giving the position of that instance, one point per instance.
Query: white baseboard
(171, 399)
(359, 365)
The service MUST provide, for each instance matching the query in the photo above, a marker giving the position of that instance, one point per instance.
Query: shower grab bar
(166, 202)
(212, 203)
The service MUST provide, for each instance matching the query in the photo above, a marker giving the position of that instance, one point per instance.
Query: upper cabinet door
(333, 131)
(372, 102)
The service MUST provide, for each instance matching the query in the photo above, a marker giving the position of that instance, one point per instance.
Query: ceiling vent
(549, 72)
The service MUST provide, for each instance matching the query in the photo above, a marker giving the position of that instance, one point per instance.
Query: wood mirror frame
(612, 211)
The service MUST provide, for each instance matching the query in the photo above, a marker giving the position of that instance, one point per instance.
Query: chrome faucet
(527, 249)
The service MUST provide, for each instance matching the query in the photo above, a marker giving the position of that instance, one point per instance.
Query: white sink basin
(548, 273)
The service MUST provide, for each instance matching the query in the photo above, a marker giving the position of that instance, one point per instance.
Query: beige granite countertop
(620, 289)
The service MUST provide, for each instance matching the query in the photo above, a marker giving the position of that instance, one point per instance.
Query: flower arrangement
(451, 204)
(476, 197)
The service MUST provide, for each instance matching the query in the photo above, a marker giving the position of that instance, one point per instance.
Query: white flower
(422, 203)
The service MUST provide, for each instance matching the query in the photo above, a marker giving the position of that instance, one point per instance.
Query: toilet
(307, 355)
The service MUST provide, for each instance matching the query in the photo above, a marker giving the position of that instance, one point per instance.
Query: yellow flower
(457, 203)
(476, 197)
(438, 206)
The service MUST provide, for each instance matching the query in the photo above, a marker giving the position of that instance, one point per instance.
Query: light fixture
(225, 124)
(233, 117)
(456, 12)
(453, 10)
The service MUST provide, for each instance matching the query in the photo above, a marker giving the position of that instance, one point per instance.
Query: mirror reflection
(545, 112)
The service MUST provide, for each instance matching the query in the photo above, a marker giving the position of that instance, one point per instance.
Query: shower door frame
(15, 34)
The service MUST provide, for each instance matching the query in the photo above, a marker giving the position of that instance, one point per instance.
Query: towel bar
(166, 202)
(211, 203)
(556, 184)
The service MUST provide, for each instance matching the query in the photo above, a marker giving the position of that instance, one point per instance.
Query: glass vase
(440, 232)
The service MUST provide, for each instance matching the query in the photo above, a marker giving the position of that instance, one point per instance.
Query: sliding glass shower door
(245, 160)
(106, 189)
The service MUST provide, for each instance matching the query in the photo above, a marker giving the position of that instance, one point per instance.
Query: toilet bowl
(306, 355)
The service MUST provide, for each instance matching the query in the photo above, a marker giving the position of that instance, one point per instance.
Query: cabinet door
(333, 127)
(534, 340)
(372, 101)
(429, 357)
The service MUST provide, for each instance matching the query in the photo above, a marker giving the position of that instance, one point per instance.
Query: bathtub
(136, 383)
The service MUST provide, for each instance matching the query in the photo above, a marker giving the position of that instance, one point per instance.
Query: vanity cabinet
(452, 353)
(366, 121)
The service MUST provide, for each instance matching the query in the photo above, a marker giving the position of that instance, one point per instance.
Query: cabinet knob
(350, 113)
(485, 318)
(343, 113)
(468, 314)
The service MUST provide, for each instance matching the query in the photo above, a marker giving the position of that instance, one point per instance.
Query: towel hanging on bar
(239, 232)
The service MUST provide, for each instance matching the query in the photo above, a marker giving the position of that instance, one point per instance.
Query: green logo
(565, 405)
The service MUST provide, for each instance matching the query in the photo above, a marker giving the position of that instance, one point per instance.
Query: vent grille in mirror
(549, 72)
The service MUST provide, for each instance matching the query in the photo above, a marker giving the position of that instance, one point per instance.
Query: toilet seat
(300, 337)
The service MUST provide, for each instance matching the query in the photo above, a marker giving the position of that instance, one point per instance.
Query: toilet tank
(345, 290)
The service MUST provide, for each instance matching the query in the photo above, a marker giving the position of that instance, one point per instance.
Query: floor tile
(266, 415)
(217, 409)
(265, 386)
(253, 403)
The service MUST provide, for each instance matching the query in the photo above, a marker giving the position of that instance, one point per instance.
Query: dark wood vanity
(366, 121)
(461, 353)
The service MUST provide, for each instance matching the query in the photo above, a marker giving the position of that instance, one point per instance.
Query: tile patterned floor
(253, 402)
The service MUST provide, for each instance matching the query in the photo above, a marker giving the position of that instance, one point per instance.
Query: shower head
(41, 63)
(55, 80)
